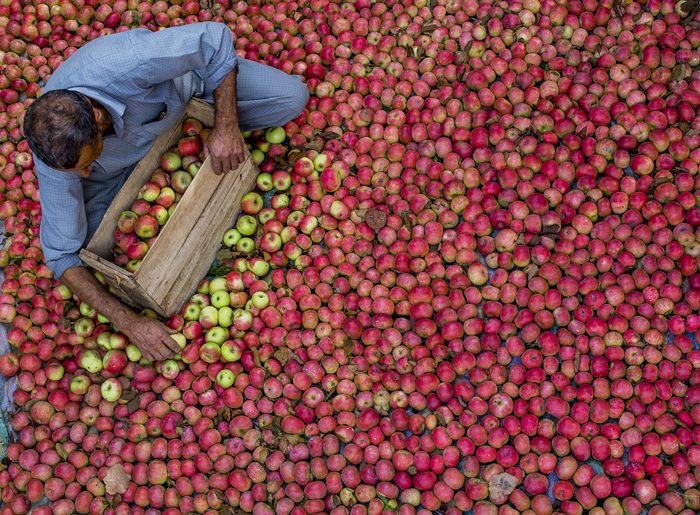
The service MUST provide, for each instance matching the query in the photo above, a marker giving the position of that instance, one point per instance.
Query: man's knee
(297, 97)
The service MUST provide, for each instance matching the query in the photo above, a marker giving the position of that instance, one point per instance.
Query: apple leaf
(133, 405)
(116, 480)
(375, 218)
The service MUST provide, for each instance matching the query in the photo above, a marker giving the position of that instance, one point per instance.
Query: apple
(252, 203)
(210, 352)
(190, 146)
(103, 340)
(245, 245)
(180, 339)
(260, 299)
(258, 156)
(149, 192)
(226, 315)
(114, 361)
(218, 284)
(208, 317)
(170, 369)
(264, 181)
(166, 197)
(91, 361)
(321, 162)
(159, 213)
(102, 319)
(170, 162)
(191, 311)
(118, 341)
(127, 221)
(216, 335)
(275, 135)
(79, 385)
(230, 351)
(111, 389)
(146, 226)
(54, 371)
(84, 327)
(220, 299)
(133, 353)
(271, 242)
(225, 378)
(180, 181)
(133, 265)
(191, 127)
(138, 250)
(258, 266)
(304, 167)
(231, 237)
(193, 169)
(242, 319)
(247, 225)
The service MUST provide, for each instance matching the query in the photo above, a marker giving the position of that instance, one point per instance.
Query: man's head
(63, 130)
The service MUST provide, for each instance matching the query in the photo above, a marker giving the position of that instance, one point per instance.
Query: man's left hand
(226, 148)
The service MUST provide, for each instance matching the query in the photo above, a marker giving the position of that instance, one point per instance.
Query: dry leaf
(441, 419)
(116, 480)
(282, 355)
(133, 405)
(501, 485)
(577, 361)
(256, 357)
(375, 218)
(61, 451)
(348, 348)
(408, 222)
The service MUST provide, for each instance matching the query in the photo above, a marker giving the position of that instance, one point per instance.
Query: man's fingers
(216, 166)
(172, 345)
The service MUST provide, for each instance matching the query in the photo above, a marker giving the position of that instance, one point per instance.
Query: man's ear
(98, 115)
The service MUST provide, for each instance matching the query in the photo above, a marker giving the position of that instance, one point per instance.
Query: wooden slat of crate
(188, 243)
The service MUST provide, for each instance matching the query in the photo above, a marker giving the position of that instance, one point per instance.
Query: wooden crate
(188, 243)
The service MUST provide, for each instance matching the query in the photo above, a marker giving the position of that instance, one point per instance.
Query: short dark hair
(58, 125)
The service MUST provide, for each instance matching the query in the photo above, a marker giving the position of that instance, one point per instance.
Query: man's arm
(150, 336)
(225, 144)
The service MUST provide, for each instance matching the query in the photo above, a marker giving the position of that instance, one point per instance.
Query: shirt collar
(116, 109)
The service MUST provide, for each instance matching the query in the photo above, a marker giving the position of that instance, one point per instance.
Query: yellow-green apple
(225, 378)
(149, 192)
(220, 299)
(275, 135)
(231, 237)
(242, 319)
(80, 384)
(133, 265)
(166, 197)
(103, 341)
(170, 369)
(190, 311)
(258, 266)
(111, 389)
(210, 352)
(258, 156)
(91, 361)
(118, 341)
(216, 335)
(245, 245)
(225, 316)
(230, 351)
(127, 221)
(133, 353)
(247, 225)
(218, 284)
(264, 181)
(260, 299)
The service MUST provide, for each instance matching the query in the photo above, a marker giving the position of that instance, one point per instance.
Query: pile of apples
(474, 287)
(138, 227)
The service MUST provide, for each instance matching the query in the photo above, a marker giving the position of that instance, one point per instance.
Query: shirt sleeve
(205, 48)
(63, 222)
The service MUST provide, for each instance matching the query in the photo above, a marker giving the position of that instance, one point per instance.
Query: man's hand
(151, 337)
(226, 147)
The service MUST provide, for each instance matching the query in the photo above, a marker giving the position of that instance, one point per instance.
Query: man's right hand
(151, 337)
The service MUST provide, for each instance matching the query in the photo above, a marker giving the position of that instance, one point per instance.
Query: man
(101, 112)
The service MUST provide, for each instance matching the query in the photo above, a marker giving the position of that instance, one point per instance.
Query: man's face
(88, 155)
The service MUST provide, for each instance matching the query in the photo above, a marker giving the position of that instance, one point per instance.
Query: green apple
(230, 351)
(264, 181)
(231, 237)
(209, 317)
(91, 361)
(133, 353)
(103, 340)
(225, 316)
(245, 134)
(102, 319)
(149, 313)
(321, 162)
(180, 339)
(275, 135)
(225, 378)
(86, 310)
(247, 225)
(220, 299)
(210, 352)
(245, 245)
(260, 299)
(218, 284)
(111, 390)
(258, 156)
(216, 335)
